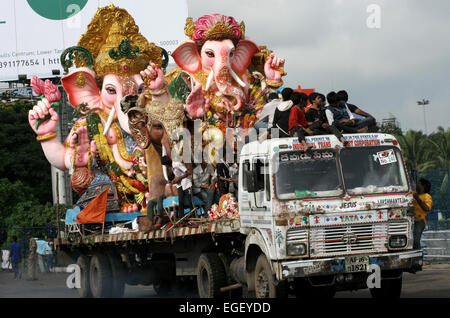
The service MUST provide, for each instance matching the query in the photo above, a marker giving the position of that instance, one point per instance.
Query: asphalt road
(432, 282)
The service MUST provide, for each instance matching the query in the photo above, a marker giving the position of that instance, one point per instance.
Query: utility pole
(424, 102)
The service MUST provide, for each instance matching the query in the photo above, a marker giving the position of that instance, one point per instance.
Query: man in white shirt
(204, 179)
(183, 182)
(266, 116)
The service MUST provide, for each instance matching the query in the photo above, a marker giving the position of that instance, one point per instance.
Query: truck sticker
(279, 238)
(397, 214)
(354, 218)
(315, 268)
(392, 201)
(348, 205)
(269, 234)
(386, 157)
(306, 193)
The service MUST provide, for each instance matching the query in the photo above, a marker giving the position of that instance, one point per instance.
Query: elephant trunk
(223, 79)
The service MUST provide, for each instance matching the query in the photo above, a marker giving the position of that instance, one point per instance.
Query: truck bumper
(408, 260)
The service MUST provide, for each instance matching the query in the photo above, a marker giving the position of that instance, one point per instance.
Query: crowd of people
(289, 112)
(40, 256)
(203, 180)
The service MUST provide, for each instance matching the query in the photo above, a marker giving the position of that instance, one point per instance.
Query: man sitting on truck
(339, 115)
(183, 181)
(317, 120)
(361, 116)
(204, 179)
(298, 126)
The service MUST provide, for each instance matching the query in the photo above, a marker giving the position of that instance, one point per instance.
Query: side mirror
(251, 180)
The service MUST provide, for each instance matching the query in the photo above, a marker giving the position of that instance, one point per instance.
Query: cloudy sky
(328, 46)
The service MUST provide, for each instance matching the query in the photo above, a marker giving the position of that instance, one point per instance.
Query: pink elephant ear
(245, 50)
(187, 57)
(81, 87)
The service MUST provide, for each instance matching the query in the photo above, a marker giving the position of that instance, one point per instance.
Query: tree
(21, 156)
(391, 129)
(414, 148)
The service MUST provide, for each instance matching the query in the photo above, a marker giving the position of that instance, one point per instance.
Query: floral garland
(117, 174)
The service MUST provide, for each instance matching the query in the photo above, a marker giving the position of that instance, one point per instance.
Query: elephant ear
(137, 121)
(243, 54)
(187, 57)
(81, 87)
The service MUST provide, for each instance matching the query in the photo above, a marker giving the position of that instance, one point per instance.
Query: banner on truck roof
(34, 32)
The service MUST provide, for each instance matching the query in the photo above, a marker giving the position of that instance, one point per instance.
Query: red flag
(95, 211)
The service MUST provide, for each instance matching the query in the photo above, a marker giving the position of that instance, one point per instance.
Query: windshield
(302, 176)
(373, 170)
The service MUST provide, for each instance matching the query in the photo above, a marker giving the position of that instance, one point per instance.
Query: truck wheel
(118, 275)
(85, 290)
(266, 285)
(100, 276)
(211, 276)
(390, 289)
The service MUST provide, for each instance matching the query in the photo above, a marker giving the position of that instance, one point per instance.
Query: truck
(310, 223)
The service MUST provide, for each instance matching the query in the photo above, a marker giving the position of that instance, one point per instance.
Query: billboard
(34, 33)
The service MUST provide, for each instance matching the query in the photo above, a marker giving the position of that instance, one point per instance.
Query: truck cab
(326, 219)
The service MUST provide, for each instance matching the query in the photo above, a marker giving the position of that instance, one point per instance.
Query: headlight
(398, 241)
(296, 249)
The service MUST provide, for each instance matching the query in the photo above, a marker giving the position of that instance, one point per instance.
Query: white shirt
(330, 116)
(201, 176)
(179, 169)
(269, 110)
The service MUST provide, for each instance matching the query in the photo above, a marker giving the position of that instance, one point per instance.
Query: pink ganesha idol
(100, 150)
(217, 63)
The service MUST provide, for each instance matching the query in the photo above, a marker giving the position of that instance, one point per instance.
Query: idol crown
(214, 24)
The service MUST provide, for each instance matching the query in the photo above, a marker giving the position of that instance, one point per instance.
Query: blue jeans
(49, 262)
(419, 226)
(263, 125)
(363, 122)
(15, 268)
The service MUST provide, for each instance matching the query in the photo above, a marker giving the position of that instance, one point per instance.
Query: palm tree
(439, 156)
(414, 147)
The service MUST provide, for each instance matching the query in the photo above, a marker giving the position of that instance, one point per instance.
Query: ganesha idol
(128, 107)
(100, 151)
(222, 77)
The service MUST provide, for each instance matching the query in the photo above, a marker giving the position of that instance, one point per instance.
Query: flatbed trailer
(164, 235)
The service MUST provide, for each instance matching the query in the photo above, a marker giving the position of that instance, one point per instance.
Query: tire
(211, 276)
(85, 290)
(390, 289)
(266, 285)
(100, 276)
(118, 275)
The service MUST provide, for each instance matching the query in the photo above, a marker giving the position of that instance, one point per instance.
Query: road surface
(432, 282)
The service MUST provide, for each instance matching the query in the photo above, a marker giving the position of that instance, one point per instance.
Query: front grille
(296, 235)
(398, 228)
(346, 240)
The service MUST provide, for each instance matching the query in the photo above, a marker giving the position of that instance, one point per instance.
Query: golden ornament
(108, 30)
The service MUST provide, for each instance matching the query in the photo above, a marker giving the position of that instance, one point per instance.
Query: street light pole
(424, 102)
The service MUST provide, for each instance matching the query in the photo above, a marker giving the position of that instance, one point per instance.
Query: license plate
(356, 264)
